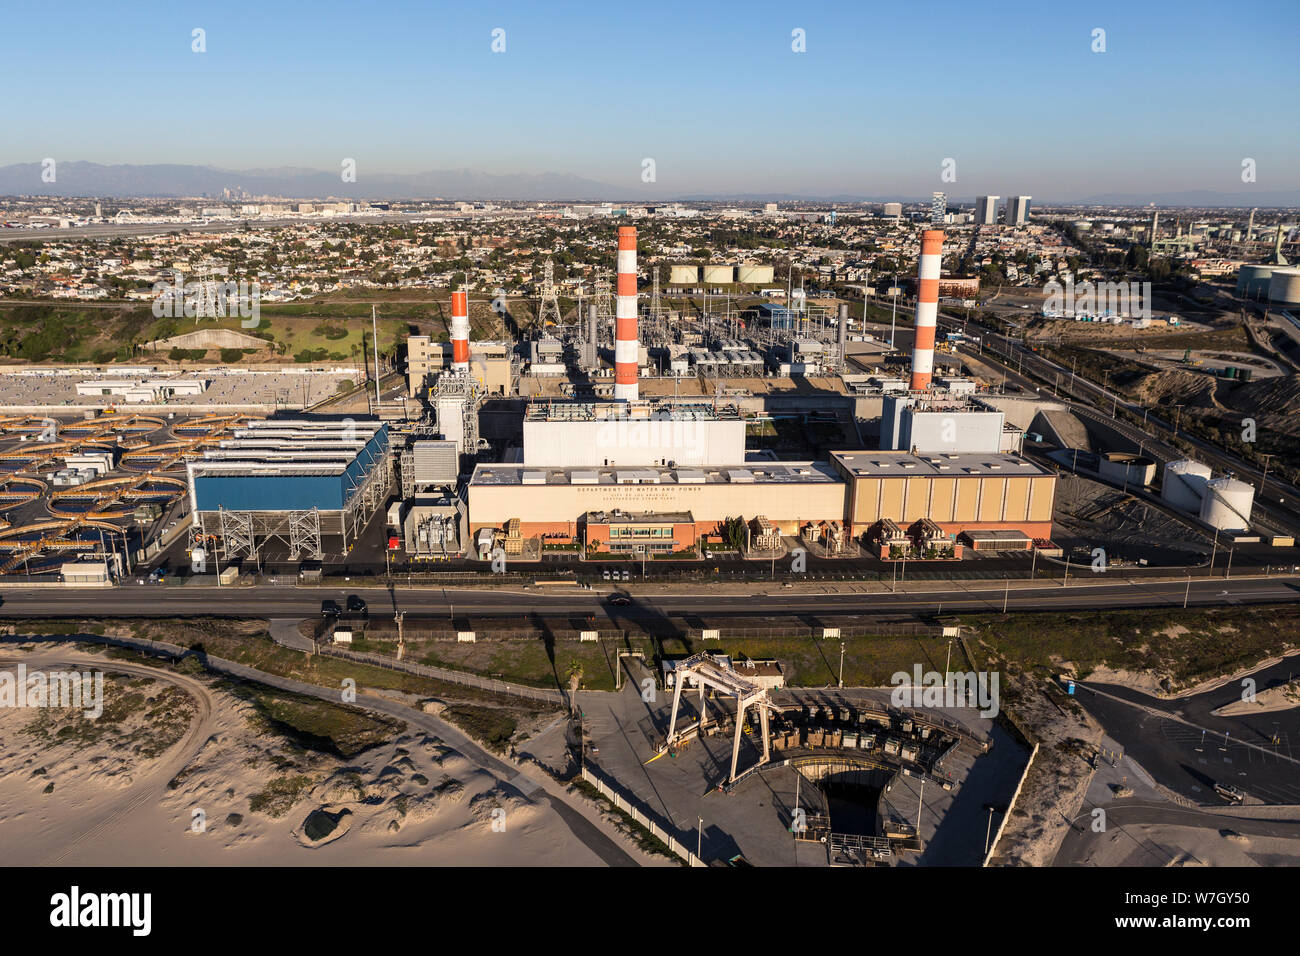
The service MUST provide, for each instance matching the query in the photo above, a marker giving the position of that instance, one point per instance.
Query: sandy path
(142, 791)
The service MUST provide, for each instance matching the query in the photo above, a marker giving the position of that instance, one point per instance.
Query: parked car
(620, 600)
(330, 609)
(357, 605)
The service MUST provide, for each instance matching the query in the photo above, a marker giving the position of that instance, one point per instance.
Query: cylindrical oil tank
(1253, 280)
(754, 275)
(719, 275)
(1227, 504)
(684, 275)
(1284, 287)
(1184, 485)
(1124, 468)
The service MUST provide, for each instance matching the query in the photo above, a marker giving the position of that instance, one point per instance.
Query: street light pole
(699, 837)
(841, 663)
(1187, 592)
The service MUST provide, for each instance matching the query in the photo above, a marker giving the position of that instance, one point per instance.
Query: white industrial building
(943, 423)
(603, 434)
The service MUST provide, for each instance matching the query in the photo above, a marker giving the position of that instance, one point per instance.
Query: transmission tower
(549, 308)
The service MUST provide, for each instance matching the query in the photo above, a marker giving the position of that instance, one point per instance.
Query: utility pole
(1227, 574)
(1264, 477)
(1187, 592)
(920, 808)
(988, 832)
(374, 334)
(1066, 582)
(1006, 595)
(841, 663)
(699, 837)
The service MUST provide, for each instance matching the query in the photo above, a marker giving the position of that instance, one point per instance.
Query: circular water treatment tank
(1184, 485)
(1227, 504)
(1284, 287)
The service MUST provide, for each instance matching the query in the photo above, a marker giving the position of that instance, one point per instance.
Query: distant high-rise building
(938, 208)
(1017, 210)
(893, 210)
(986, 210)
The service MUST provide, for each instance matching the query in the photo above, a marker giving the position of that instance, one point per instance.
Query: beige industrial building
(957, 492)
(562, 502)
(663, 510)
(489, 364)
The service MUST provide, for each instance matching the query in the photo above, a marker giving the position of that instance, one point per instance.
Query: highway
(832, 601)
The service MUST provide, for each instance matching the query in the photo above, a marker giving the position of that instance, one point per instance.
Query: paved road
(832, 600)
(1187, 750)
(1077, 843)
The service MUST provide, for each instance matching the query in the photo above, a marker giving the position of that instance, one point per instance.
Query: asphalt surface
(1187, 749)
(1080, 839)
(833, 601)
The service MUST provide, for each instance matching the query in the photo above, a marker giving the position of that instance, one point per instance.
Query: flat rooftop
(887, 464)
(553, 411)
(767, 472)
(639, 517)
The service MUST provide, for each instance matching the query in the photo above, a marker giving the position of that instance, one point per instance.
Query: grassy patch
(492, 726)
(1183, 647)
(278, 797)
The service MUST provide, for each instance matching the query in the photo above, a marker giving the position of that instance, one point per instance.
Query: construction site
(799, 776)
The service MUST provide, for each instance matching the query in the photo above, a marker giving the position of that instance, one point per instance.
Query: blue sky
(712, 91)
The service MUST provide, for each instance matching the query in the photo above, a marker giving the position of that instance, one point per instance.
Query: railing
(553, 697)
(643, 817)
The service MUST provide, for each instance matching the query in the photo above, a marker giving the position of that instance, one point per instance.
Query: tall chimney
(460, 331)
(843, 332)
(627, 350)
(927, 308)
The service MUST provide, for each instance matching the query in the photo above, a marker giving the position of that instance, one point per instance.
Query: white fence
(634, 810)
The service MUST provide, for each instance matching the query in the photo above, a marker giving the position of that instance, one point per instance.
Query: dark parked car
(620, 600)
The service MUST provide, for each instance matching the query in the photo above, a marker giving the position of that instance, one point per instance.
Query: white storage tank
(754, 275)
(719, 275)
(1227, 504)
(684, 275)
(1284, 287)
(1253, 280)
(1124, 468)
(1184, 485)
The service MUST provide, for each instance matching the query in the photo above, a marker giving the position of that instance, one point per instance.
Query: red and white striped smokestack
(927, 308)
(627, 350)
(460, 331)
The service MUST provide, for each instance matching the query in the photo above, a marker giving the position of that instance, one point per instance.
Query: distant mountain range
(182, 181)
(166, 181)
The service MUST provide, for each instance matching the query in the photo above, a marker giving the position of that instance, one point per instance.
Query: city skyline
(720, 102)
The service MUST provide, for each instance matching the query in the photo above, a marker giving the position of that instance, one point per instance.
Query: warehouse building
(304, 482)
(957, 492)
